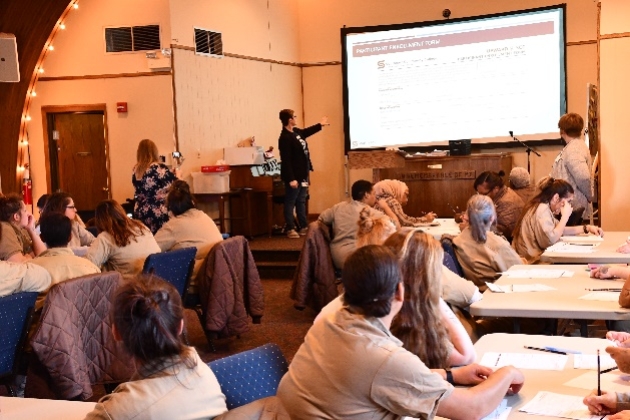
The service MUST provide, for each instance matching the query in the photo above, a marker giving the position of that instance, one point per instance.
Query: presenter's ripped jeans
(295, 198)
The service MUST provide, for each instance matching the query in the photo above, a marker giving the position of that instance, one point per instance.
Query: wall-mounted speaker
(9, 67)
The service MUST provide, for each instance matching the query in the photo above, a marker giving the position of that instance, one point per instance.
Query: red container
(215, 168)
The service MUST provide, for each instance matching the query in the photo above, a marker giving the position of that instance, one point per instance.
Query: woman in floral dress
(151, 180)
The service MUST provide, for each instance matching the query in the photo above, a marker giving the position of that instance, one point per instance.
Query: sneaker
(303, 231)
(293, 234)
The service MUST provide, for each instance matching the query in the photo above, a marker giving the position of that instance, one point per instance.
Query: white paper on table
(519, 288)
(589, 361)
(524, 360)
(500, 413)
(558, 405)
(609, 381)
(538, 273)
(602, 296)
(563, 247)
(582, 239)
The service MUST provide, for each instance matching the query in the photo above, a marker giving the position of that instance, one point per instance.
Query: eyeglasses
(71, 207)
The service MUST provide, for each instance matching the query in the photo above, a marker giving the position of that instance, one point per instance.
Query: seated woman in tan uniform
(171, 381)
(538, 228)
(123, 243)
(63, 203)
(19, 240)
(187, 227)
(483, 254)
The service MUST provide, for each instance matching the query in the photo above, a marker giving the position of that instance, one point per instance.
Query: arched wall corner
(34, 24)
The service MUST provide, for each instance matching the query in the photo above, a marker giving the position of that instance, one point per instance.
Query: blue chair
(15, 319)
(250, 375)
(452, 264)
(175, 267)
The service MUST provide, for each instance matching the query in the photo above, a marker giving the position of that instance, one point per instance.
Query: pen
(609, 369)
(604, 290)
(599, 374)
(565, 351)
(544, 349)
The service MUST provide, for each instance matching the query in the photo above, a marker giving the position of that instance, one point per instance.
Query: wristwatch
(585, 228)
(449, 376)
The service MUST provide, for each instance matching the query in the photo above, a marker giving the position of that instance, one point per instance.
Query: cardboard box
(235, 156)
(211, 182)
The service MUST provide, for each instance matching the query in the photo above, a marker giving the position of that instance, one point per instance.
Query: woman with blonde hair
(395, 194)
(426, 325)
(123, 243)
(481, 253)
(151, 180)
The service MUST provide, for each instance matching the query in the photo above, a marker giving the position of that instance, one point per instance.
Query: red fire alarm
(121, 106)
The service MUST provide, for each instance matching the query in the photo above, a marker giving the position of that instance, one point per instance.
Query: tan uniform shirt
(193, 228)
(22, 277)
(13, 240)
(80, 236)
(127, 260)
(509, 207)
(537, 233)
(367, 376)
(174, 392)
(484, 262)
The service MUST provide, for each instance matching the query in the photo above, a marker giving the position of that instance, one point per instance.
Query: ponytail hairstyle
(548, 187)
(370, 278)
(179, 199)
(481, 216)
(491, 179)
(419, 324)
(147, 314)
(373, 230)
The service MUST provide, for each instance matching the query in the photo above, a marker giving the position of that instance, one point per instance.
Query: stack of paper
(582, 239)
(524, 360)
(566, 248)
(558, 405)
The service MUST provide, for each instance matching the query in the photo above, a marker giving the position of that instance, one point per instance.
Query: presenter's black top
(294, 154)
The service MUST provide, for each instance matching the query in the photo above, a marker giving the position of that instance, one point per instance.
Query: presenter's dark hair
(572, 124)
(360, 188)
(179, 199)
(286, 115)
(9, 205)
(370, 277)
(56, 229)
(548, 187)
(491, 179)
(147, 314)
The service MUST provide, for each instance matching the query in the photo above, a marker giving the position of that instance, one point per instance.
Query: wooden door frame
(60, 109)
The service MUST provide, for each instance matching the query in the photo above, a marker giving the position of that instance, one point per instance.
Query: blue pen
(560, 349)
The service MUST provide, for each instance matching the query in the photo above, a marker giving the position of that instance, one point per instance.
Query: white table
(562, 303)
(541, 380)
(605, 253)
(32, 408)
(446, 226)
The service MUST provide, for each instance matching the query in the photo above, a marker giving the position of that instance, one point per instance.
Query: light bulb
(25, 143)
(28, 118)
(75, 5)
(33, 93)
(41, 70)
(62, 26)
(51, 48)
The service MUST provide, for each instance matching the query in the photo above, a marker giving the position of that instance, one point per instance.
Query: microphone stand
(528, 149)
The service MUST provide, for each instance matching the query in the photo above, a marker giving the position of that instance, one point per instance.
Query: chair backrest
(250, 375)
(452, 264)
(173, 266)
(15, 315)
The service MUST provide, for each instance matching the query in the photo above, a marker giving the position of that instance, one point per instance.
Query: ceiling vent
(132, 38)
(208, 43)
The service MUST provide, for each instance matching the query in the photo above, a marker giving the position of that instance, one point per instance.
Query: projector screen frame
(508, 143)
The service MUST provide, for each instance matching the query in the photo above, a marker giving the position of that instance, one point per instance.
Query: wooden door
(82, 157)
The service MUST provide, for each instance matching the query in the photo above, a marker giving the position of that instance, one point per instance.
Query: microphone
(511, 133)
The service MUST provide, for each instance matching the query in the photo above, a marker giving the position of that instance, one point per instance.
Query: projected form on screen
(476, 78)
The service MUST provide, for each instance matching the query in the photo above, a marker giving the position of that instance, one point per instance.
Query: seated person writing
(171, 381)
(123, 243)
(370, 375)
(343, 218)
(538, 229)
(507, 203)
(396, 195)
(18, 239)
(482, 254)
(58, 259)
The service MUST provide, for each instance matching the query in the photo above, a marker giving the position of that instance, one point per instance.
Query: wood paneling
(32, 22)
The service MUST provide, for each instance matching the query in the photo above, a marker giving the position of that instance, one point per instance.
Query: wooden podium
(441, 183)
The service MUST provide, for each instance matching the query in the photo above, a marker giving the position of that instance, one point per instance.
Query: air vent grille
(134, 38)
(208, 42)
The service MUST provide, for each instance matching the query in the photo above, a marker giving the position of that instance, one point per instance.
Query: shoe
(292, 234)
(303, 231)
